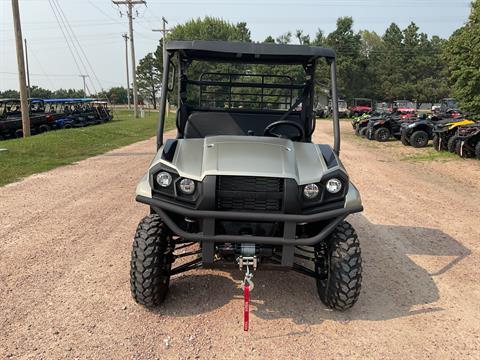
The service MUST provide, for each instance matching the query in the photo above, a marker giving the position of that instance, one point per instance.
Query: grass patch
(57, 148)
(431, 154)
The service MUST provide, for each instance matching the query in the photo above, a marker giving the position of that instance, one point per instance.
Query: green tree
(350, 64)
(462, 53)
(68, 93)
(149, 77)
(40, 93)
(9, 94)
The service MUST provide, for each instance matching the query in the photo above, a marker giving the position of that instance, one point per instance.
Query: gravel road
(65, 239)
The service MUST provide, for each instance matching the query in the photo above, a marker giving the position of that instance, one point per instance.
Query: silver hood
(247, 156)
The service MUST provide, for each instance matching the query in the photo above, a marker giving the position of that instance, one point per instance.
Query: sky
(98, 26)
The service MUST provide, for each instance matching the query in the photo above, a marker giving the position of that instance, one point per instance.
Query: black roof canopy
(249, 52)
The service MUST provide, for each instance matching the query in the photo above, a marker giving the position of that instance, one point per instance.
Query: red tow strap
(246, 306)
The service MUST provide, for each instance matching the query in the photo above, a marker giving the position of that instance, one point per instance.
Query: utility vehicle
(468, 144)
(11, 118)
(242, 177)
(449, 108)
(361, 106)
(342, 109)
(406, 109)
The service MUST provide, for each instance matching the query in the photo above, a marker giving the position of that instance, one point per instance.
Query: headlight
(187, 186)
(334, 186)
(164, 179)
(311, 191)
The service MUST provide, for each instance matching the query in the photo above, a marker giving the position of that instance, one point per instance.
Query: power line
(65, 37)
(71, 37)
(81, 49)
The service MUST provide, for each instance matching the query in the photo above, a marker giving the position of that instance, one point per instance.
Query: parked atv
(468, 144)
(418, 133)
(360, 123)
(445, 133)
(384, 127)
(243, 178)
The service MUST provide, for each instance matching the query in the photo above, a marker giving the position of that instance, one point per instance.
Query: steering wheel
(269, 130)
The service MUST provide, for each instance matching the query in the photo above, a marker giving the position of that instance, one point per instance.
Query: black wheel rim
(383, 135)
(420, 140)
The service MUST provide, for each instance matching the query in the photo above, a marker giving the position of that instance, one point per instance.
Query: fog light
(311, 191)
(164, 179)
(187, 186)
(334, 186)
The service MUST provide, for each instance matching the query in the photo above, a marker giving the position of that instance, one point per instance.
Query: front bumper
(208, 218)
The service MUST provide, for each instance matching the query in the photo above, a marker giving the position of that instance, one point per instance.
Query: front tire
(382, 134)
(340, 277)
(151, 261)
(419, 139)
(363, 131)
(452, 143)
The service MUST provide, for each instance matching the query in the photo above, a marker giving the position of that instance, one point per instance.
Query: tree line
(398, 64)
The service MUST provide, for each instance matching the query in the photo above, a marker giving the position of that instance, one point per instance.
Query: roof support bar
(163, 112)
(336, 121)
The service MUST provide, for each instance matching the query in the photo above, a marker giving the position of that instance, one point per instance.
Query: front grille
(248, 193)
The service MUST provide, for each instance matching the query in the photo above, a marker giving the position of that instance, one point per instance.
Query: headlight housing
(334, 186)
(187, 186)
(311, 191)
(164, 179)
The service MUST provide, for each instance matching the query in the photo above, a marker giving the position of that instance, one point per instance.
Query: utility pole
(21, 69)
(28, 71)
(164, 31)
(84, 84)
(125, 36)
(130, 4)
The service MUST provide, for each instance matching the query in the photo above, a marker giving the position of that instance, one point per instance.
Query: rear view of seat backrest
(203, 124)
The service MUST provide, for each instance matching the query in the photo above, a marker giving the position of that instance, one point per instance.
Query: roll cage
(234, 94)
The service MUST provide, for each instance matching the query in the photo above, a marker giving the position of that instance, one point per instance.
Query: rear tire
(452, 143)
(382, 134)
(151, 262)
(419, 139)
(340, 286)
(43, 128)
(477, 150)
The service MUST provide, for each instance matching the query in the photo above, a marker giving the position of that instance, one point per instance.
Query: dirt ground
(65, 239)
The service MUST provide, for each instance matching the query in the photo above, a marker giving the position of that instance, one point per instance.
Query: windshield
(405, 104)
(451, 104)
(363, 102)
